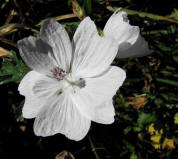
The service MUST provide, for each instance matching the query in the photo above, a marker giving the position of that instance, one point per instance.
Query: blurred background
(146, 121)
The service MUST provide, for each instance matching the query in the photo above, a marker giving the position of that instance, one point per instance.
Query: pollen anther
(58, 73)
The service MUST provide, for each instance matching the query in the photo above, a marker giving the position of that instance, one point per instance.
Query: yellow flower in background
(155, 138)
(176, 118)
(151, 129)
(156, 146)
(168, 143)
(159, 132)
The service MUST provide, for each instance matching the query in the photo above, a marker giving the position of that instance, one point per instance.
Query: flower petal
(36, 54)
(47, 88)
(55, 35)
(32, 104)
(128, 37)
(138, 49)
(95, 99)
(61, 116)
(105, 113)
(92, 54)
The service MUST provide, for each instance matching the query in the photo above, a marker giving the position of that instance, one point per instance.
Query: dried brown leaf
(22, 128)
(9, 29)
(77, 10)
(61, 17)
(65, 154)
(4, 52)
(137, 102)
(147, 82)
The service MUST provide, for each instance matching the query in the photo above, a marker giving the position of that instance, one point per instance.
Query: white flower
(71, 84)
(128, 37)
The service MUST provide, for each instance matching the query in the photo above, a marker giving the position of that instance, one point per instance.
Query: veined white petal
(32, 104)
(62, 116)
(105, 113)
(118, 27)
(47, 88)
(92, 100)
(36, 54)
(55, 35)
(92, 54)
(128, 37)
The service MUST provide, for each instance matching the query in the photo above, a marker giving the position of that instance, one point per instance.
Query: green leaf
(145, 118)
(127, 130)
(158, 102)
(174, 14)
(137, 128)
(6, 25)
(164, 48)
(12, 70)
(17, 110)
(133, 156)
(129, 146)
(88, 6)
(171, 106)
(166, 81)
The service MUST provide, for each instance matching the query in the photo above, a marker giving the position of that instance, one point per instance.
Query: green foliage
(17, 110)
(133, 156)
(6, 25)
(12, 69)
(174, 14)
(127, 130)
(171, 106)
(144, 119)
(166, 81)
(129, 146)
(176, 118)
(88, 6)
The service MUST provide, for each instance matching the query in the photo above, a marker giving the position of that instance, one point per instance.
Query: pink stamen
(58, 73)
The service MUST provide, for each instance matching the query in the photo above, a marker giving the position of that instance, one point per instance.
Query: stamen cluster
(59, 73)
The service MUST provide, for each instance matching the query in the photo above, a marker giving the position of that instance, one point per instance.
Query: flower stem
(93, 148)
(143, 14)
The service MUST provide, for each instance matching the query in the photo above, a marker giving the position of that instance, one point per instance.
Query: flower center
(61, 75)
(58, 73)
(79, 82)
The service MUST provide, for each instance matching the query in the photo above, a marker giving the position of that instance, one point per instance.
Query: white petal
(61, 116)
(93, 54)
(92, 100)
(128, 37)
(32, 104)
(47, 88)
(55, 35)
(105, 113)
(36, 54)
(138, 49)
